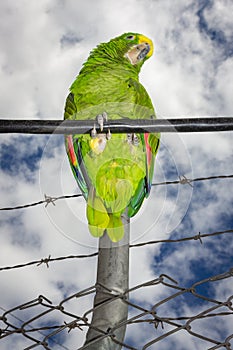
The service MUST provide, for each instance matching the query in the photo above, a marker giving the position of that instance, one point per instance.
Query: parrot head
(139, 48)
(129, 47)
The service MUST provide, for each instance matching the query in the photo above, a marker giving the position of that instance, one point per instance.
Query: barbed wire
(48, 199)
(161, 322)
(183, 180)
(49, 259)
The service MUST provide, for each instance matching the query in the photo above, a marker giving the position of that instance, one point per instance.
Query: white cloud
(214, 15)
(224, 86)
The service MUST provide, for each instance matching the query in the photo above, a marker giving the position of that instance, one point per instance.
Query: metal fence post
(112, 280)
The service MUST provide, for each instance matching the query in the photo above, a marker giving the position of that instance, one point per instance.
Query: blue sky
(43, 45)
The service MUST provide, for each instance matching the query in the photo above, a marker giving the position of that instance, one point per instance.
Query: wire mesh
(42, 311)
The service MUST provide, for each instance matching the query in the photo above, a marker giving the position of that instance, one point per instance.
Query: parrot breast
(115, 169)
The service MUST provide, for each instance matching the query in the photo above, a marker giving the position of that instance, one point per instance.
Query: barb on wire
(182, 180)
(45, 261)
(48, 200)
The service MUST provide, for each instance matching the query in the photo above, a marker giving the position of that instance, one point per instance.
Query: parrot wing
(70, 107)
(151, 141)
(73, 149)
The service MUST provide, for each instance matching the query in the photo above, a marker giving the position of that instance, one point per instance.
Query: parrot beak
(144, 48)
(139, 52)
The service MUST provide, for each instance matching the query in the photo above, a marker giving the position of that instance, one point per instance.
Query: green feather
(98, 218)
(115, 229)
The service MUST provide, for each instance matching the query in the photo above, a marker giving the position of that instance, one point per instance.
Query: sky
(42, 47)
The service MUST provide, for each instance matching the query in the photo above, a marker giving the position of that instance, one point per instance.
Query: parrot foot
(132, 139)
(93, 132)
(108, 135)
(101, 118)
(135, 140)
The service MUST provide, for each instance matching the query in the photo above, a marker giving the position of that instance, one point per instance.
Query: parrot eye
(130, 37)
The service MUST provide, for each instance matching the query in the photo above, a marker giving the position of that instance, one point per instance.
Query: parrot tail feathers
(99, 219)
(97, 216)
(115, 229)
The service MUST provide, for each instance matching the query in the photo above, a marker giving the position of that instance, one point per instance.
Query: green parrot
(114, 172)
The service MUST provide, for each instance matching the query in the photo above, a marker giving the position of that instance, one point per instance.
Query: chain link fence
(41, 331)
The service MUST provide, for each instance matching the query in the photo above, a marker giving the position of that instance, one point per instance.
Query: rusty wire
(38, 334)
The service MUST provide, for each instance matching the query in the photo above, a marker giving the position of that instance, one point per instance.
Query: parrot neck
(111, 68)
(108, 58)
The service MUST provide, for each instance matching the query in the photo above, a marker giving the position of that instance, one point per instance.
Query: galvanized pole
(112, 280)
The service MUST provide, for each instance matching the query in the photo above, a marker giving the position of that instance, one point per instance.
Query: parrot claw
(101, 118)
(93, 132)
(108, 135)
(105, 116)
(129, 138)
(133, 139)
